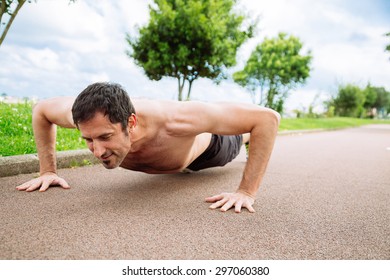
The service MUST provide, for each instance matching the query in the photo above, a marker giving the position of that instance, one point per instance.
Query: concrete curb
(24, 164)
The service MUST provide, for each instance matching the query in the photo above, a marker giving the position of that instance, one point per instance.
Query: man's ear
(132, 122)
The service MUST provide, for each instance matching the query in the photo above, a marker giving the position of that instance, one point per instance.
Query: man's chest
(162, 155)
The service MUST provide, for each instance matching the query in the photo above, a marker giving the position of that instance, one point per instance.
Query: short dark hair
(108, 98)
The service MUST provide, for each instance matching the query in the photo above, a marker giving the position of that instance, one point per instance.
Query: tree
(349, 101)
(370, 97)
(382, 102)
(9, 9)
(353, 101)
(188, 39)
(275, 67)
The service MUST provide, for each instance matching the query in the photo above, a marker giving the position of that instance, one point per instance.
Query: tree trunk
(181, 87)
(270, 98)
(189, 90)
(4, 33)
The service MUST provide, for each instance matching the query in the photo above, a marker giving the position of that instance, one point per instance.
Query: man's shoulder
(163, 107)
(155, 114)
(171, 112)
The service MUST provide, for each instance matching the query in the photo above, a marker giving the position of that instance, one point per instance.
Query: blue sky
(56, 48)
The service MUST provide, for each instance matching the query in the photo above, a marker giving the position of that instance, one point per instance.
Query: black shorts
(222, 150)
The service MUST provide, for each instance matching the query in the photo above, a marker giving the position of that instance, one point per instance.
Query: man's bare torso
(156, 147)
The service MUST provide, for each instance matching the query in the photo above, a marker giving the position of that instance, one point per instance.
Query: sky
(55, 48)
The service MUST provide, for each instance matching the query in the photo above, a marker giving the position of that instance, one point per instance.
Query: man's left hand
(227, 200)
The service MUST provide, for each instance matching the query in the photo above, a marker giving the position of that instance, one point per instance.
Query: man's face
(106, 140)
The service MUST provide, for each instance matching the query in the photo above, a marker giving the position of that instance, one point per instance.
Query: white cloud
(57, 48)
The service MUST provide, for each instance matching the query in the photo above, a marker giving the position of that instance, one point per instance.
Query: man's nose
(98, 149)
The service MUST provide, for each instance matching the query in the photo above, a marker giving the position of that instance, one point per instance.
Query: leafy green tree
(370, 97)
(353, 101)
(275, 67)
(349, 101)
(382, 102)
(10, 9)
(188, 39)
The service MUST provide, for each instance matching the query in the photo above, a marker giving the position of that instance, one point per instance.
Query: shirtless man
(157, 137)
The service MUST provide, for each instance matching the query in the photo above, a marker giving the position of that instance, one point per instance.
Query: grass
(16, 135)
(326, 123)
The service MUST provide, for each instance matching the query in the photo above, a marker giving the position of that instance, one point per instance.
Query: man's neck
(138, 137)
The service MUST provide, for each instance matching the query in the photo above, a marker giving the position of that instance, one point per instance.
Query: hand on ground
(43, 183)
(225, 201)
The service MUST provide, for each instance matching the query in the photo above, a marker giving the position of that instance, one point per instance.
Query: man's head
(107, 98)
(105, 115)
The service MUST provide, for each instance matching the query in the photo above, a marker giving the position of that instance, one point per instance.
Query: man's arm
(234, 119)
(46, 115)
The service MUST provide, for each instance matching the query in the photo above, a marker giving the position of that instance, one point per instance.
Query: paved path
(325, 196)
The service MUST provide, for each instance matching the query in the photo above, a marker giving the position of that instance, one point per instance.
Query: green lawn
(326, 123)
(16, 136)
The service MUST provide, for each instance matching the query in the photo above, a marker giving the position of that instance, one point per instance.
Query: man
(157, 137)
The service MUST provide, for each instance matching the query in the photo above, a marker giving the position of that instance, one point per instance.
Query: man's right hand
(43, 183)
